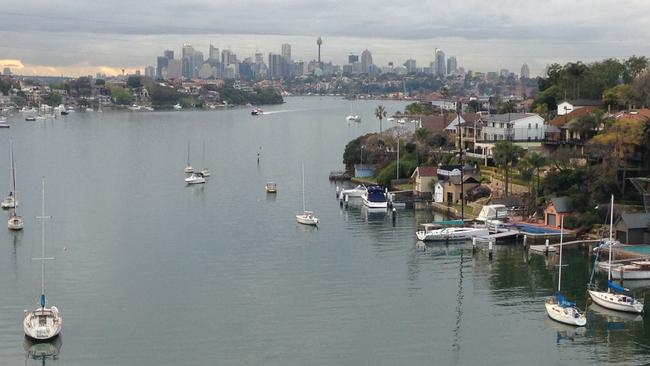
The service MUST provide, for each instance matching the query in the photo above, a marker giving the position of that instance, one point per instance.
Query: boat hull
(14, 224)
(306, 220)
(450, 235)
(43, 323)
(374, 204)
(617, 274)
(616, 301)
(565, 315)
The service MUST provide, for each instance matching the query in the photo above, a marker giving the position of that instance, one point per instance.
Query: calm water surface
(151, 272)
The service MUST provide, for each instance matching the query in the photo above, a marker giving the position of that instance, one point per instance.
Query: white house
(564, 108)
(513, 127)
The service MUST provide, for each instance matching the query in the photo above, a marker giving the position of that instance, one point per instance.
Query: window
(529, 126)
(536, 126)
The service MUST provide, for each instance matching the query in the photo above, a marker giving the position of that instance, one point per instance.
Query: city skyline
(89, 38)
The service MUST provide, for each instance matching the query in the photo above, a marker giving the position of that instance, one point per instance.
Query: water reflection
(564, 332)
(42, 351)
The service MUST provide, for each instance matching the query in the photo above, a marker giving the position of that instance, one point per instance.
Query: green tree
(506, 154)
(535, 161)
(134, 81)
(121, 96)
(51, 99)
(620, 96)
(380, 113)
(634, 66)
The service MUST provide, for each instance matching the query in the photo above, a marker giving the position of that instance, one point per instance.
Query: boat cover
(615, 287)
(562, 301)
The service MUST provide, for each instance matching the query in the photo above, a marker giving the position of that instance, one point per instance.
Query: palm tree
(535, 161)
(506, 154)
(380, 113)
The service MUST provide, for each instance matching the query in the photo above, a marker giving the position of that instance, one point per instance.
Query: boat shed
(423, 177)
(556, 208)
(632, 228)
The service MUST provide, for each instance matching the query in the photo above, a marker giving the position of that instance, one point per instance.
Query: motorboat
(195, 178)
(636, 270)
(401, 121)
(353, 118)
(3, 122)
(30, 118)
(375, 197)
(256, 111)
(433, 232)
(557, 306)
(44, 322)
(177, 107)
(357, 191)
(614, 298)
(15, 222)
(271, 187)
(135, 107)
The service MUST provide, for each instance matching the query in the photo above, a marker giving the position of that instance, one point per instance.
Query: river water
(148, 271)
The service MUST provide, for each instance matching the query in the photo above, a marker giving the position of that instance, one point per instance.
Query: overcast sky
(77, 37)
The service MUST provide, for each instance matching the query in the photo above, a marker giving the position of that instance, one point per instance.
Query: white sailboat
(205, 171)
(188, 167)
(15, 221)
(43, 322)
(195, 178)
(353, 117)
(307, 217)
(558, 307)
(11, 201)
(610, 299)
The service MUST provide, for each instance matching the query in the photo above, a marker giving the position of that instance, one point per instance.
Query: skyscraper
(275, 65)
(169, 54)
(286, 52)
(225, 57)
(366, 61)
(162, 63)
(149, 72)
(525, 72)
(188, 60)
(452, 65)
(352, 58)
(410, 65)
(214, 53)
(440, 63)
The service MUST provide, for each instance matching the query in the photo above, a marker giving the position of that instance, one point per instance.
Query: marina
(358, 290)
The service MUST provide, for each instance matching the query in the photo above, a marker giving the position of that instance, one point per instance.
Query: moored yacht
(195, 178)
(433, 232)
(375, 197)
(357, 191)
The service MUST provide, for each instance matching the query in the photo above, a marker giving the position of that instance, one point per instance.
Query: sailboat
(43, 322)
(205, 171)
(558, 307)
(307, 217)
(614, 298)
(353, 117)
(15, 221)
(188, 167)
(11, 201)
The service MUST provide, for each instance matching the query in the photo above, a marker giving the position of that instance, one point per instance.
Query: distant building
(352, 58)
(441, 67)
(213, 53)
(169, 54)
(225, 57)
(161, 64)
(366, 61)
(525, 72)
(423, 177)
(275, 65)
(504, 73)
(410, 65)
(174, 69)
(150, 72)
(259, 58)
(452, 65)
(286, 52)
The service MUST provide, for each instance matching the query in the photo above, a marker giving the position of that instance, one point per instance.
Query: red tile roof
(578, 112)
(427, 171)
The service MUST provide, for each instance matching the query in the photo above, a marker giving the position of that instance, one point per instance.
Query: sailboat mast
(13, 170)
(203, 155)
(559, 280)
(611, 228)
(188, 153)
(43, 244)
(303, 187)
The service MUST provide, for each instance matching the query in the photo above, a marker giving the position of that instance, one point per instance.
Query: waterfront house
(364, 170)
(450, 191)
(424, 178)
(632, 228)
(563, 122)
(555, 209)
(479, 138)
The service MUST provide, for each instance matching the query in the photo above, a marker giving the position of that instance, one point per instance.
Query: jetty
(553, 248)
